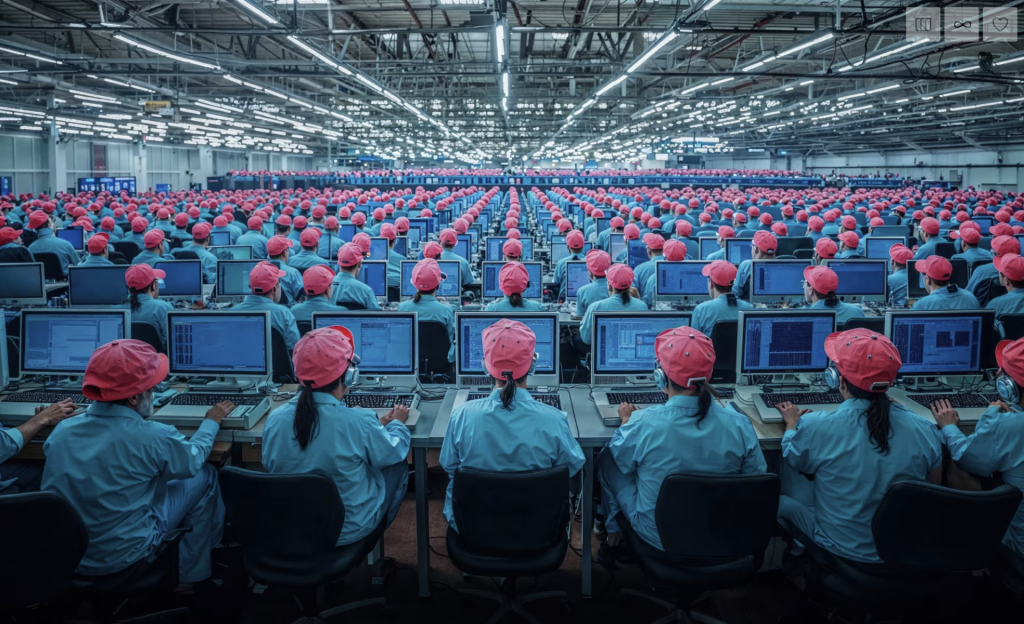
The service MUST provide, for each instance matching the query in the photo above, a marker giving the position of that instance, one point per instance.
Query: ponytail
(879, 427)
(508, 391)
(307, 415)
(516, 299)
(422, 293)
(133, 299)
(706, 395)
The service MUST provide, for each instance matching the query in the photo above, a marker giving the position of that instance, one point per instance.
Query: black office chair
(434, 345)
(128, 249)
(804, 254)
(788, 245)
(394, 294)
(989, 290)
(714, 530)
(13, 357)
(281, 358)
(40, 563)
(288, 527)
(723, 337)
(351, 306)
(173, 243)
(52, 270)
(146, 332)
(304, 327)
(874, 323)
(511, 524)
(946, 250)
(973, 266)
(1013, 326)
(926, 570)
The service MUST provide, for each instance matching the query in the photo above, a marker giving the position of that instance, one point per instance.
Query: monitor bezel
(387, 248)
(543, 379)
(228, 234)
(630, 243)
(788, 314)
(863, 297)
(221, 295)
(268, 364)
(737, 242)
(700, 246)
(913, 278)
(27, 301)
(568, 264)
(611, 244)
(75, 270)
(73, 228)
(125, 314)
(211, 248)
(403, 378)
(631, 376)
(384, 263)
(986, 358)
(189, 297)
(483, 272)
(867, 242)
(788, 298)
(658, 296)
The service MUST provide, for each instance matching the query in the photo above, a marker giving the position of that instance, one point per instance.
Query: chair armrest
(175, 535)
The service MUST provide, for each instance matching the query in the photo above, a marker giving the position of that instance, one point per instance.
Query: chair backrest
(51, 266)
(911, 526)
(974, 266)
(746, 233)
(985, 243)
(146, 332)
(173, 243)
(280, 518)
(433, 348)
(281, 358)
(988, 290)
(874, 323)
(506, 513)
(126, 248)
(1013, 326)
(946, 250)
(804, 254)
(13, 357)
(304, 327)
(351, 306)
(717, 516)
(723, 336)
(49, 540)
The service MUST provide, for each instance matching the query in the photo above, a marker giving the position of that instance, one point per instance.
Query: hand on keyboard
(625, 411)
(791, 413)
(398, 412)
(220, 410)
(56, 412)
(944, 413)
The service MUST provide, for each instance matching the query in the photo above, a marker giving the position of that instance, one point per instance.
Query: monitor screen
(378, 249)
(184, 278)
(941, 344)
(73, 235)
(494, 244)
(984, 223)
(471, 348)
(603, 223)
(374, 273)
(681, 279)
(346, 232)
(220, 239)
(233, 277)
(462, 247)
(785, 341)
(527, 248)
(624, 343)
(97, 285)
(878, 248)
(413, 235)
(450, 287)
(401, 245)
(618, 244)
(915, 280)
(576, 276)
(561, 252)
(708, 246)
(637, 253)
(778, 278)
(738, 250)
(492, 290)
(550, 230)
(473, 232)
(206, 343)
(232, 252)
(860, 278)
(422, 227)
(22, 281)
(63, 342)
(385, 343)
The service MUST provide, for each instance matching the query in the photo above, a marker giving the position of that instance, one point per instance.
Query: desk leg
(419, 456)
(587, 521)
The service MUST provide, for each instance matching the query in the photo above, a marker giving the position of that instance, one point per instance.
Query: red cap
(509, 347)
(849, 222)
(427, 275)
(780, 229)
(900, 253)
(1010, 265)
(310, 237)
(654, 224)
(300, 222)
(866, 359)
(564, 225)
(815, 224)
(825, 248)
(683, 228)
(140, 276)
(139, 224)
(8, 234)
(255, 223)
(930, 225)
(765, 218)
(935, 267)
(1005, 245)
(181, 219)
(575, 240)
(432, 250)
(513, 233)
(739, 217)
(122, 369)
(263, 277)
(37, 219)
(107, 223)
(620, 276)
(220, 221)
(726, 232)
(631, 232)
(675, 250)
(163, 213)
(363, 240)
(876, 222)
(350, 254)
(278, 244)
(616, 223)
(822, 279)
(201, 231)
(513, 278)
(850, 239)
(686, 355)
(654, 241)
(721, 272)
(284, 220)
(358, 219)
(402, 225)
(322, 356)
(1010, 358)
(970, 235)
(317, 279)
(448, 236)
(512, 248)
(598, 262)
(319, 212)
(766, 242)
(98, 243)
(388, 231)
(378, 214)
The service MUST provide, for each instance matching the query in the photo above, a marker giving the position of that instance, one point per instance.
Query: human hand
(944, 413)
(791, 413)
(626, 410)
(220, 410)
(55, 412)
(398, 412)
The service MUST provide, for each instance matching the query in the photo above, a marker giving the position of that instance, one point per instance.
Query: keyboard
(802, 398)
(636, 398)
(213, 399)
(963, 400)
(45, 398)
(378, 401)
(546, 399)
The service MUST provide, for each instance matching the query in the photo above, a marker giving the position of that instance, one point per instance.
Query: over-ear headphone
(352, 372)
(660, 377)
(533, 363)
(832, 377)
(1007, 389)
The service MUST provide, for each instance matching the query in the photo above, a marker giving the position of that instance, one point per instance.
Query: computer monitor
(887, 231)
(915, 280)
(602, 223)
(491, 290)
(527, 248)
(469, 345)
(550, 230)
(207, 343)
(422, 227)
(22, 284)
(877, 247)
(933, 343)
(74, 235)
(60, 342)
(636, 253)
(386, 343)
(220, 239)
(738, 249)
(231, 252)
(861, 280)
(561, 252)
(97, 285)
(984, 222)
(617, 244)
(464, 246)
(777, 281)
(681, 282)
(623, 344)
(346, 232)
(708, 246)
(401, 245)
(771, 342)
(576, 276)
(378, 248)
(374, 273)
(484, 220)
(183, 279)
(450, 288)
(413, 235)
(473, 232)
(233, 278)
(494, 244)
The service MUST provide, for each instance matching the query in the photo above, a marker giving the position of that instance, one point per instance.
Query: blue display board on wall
(113, 185)
(6, 185)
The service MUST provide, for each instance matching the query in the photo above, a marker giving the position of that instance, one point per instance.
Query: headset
(661, 378)
(533, 367)
(1007, 389)
(832, 377)
(352, 372)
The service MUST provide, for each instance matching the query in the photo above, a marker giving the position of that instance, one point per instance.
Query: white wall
(225, 161)
(24, 158)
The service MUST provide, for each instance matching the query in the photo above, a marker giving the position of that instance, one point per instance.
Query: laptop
(387, 344)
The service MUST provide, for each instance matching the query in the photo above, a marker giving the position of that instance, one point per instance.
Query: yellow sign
(155, 106)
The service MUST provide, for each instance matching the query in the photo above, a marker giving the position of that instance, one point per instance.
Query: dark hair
(186, 255)
(422, 293)
(1015, 283)
(508, 392)
(516, 299)
(624, 294)
(133, 297)
(879, 427)
(730, 298)
(307, 416)
(283, 229)
(831, 300)
(705, 396)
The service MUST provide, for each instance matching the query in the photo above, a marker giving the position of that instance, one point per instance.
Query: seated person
(824, 249)
(655, 253)
(265, 284)
(1011, 276)
(47, 242)
(620, 297)
(279, 250)
(820, 286)
(763, 247)
(724, 233)
(849, 243)
(307, 255)
(574, 241)
(598, 263)
(12, 248)
(723, 306)
(674, 251)
(928, 234)
(347, 288)
(199, 246)
(942, 295)
(154, 251)
(969, 240)
(144, 298)
(317, 433)
(630, 232)
(317, 284)
(427, 278)
(18, 476)
(983, 275)
(449, 238)
(899, 255)
(513, 280)
(98, 255)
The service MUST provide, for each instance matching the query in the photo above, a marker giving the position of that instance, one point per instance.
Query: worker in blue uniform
(928, 234)
(47, 242)
(427, 278)
(307, 255)
(279, 250)
(347, 288)
(255, 238)
(575, 242)
(1011, 276)
(969, 239)
(763, 247)
(984, 274)
(199, 246)
(18, 476)
(655, 254)
(724, 305)
(144, 298)
(598, 263)
(673, 251)
(620, 279)
(317, 284)
(899, 255)
(97, 248)
(514, 280)
(942, 295)
(449, 238)
(820, 286)
(265, 284)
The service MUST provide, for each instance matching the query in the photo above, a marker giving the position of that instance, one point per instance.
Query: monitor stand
(72, 384)
(228, 383)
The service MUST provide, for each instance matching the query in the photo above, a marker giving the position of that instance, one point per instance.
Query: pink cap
(358, 219)
(284, 220)
(825, 248)
(564, 225)
(686, 355)
(598, 262)
(378, 214)
(107, 223)
(38, 218)
(140, 276)
(181, 219)
(683, 228)
(654, 224)
(322, 356)
(654, 241)
(432, 250)
(850, 239)
(631, 232)
(448, 236)
(278, 244)
(512, 248)
(310, 237)
(849, 222)
(139, 224)
(816, 224)
(388, 231)
(575, 240)
(766, 242)
(766, 218)
(317, 279)
(122, 369)
(675, 250)
(726, 232)
(263, 277)
(8, 234)
(513, 278)
(1010, 265)
(153, 238)
(1005, 245)
(620, 276)
(255, 223)
(935, 267)
(721, 272)
(900, 254)
(780, 229)
(427, 275)
(350, 255)
(363, 240)
(930, 225)
(402, 225)
(970, 236)
(1010, 358)
(201, 231)
(98, 243)
(300, 223)
(319, 212)
(509, 347)
(866, 359)
(822, 279)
